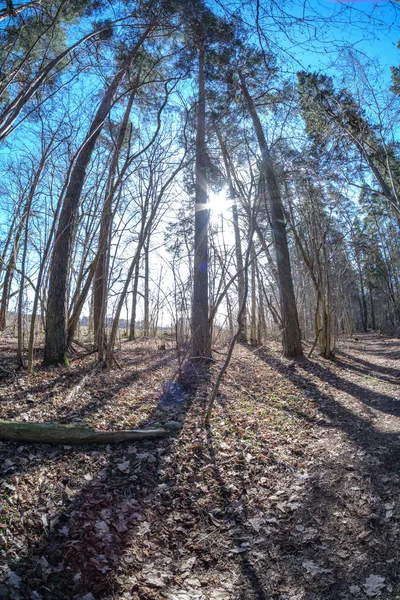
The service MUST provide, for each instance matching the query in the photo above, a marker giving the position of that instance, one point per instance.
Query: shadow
(372, 344)
(252, 582)
(365, 395)
(126, 521)
(346, 498)
(365, 367)
(67, 378)
(60, 385)
(99, 527)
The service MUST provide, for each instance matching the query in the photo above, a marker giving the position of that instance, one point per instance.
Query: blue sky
(310, 34)
(307, 34)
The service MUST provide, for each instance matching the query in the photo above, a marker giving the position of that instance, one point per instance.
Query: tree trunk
(20, 342)
(132, 329)
(157, 306)
(146, 303)
(6, 295)
(90, 320)
(101, 268)
(201, 342)
(363, 300)
(291, 338)
(238, 240)
(262, 326)
(253, 314)
(371, 299)
(38, 288)
(56, 318)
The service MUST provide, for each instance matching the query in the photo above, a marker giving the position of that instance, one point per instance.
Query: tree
(291, 338)
(201, 344)
(331, 114)
(56, 318)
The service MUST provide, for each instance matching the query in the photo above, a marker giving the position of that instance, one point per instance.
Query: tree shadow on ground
(365, 367)
(133, 516)
(342, 530)
(365, 395)
(105, 390)
(252, 581)
(102, 534)
(65, 383)
(361, 431)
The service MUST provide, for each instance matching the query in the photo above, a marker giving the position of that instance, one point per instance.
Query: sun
(219, 205)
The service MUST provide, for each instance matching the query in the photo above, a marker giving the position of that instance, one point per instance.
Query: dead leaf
(373, 585)
(13, 579)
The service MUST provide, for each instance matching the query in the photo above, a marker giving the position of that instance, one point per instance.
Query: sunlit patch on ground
(290, 494)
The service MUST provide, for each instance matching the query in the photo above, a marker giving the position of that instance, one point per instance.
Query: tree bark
(235, 221)
(20, 341)
(101, 268)
(146, 291)
(291, 338)
(38, 287)
(53, 433)
(57, 311)
(201, 341)
(253, 313)
(371, 299)
(132, 328)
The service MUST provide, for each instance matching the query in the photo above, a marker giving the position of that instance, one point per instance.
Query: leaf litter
(291, 494)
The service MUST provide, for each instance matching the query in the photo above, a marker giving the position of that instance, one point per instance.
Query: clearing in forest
(291, 494)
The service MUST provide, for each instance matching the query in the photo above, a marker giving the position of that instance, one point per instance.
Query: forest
(199, 299)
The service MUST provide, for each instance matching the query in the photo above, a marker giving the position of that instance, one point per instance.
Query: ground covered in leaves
(293, 493)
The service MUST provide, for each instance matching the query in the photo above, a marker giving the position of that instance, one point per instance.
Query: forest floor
(293, 493)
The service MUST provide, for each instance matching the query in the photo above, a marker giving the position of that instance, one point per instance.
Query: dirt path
(292, 493)
(349, 512)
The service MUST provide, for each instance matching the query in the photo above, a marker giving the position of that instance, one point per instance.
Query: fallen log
(54, 433)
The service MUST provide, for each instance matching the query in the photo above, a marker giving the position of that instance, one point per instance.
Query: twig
(238, 331)
(81, 345)
(314, 343)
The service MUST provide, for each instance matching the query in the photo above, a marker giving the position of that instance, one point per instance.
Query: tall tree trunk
(37, 296)
(363, 300)
(253, 314)
(291, 338)
(22, 285)
(201, 340)
(6, 294)
(262, 325)
(90, 320)
(157, 306)
(56, 317)
(101, 269)
(146, 290)
(371, 299)
(11, 229)
(235, 220)
(132, 329)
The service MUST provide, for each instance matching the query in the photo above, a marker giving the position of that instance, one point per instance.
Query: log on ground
(54, 433)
